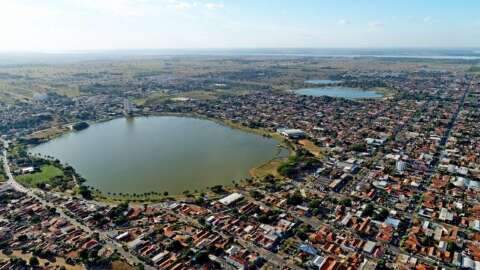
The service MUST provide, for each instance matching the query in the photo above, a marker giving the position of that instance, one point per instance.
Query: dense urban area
(385, 183)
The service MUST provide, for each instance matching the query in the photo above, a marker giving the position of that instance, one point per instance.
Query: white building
(231, 198)
(292, 133)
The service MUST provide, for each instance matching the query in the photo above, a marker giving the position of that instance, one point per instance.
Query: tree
(346, 202)
(302, 231)
(287, 170)
(18, 261)
(314, 203)
(83, 255)
(269, 178)
(80, 126)
(85, 192)
(368, 211)
(451, 246)
(200, 257)
(200, 201)
(33, 261)
(174, 246)
(382, 215)
(217, 189)
(256, 194)
(295, 198)
(358, 148)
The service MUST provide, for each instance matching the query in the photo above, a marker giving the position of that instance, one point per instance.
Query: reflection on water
(161, 154)
(338, 91)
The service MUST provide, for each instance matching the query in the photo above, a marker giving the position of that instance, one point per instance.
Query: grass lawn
(267, 168)
(46, 173)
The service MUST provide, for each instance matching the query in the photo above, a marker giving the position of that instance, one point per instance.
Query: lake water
(163, 153)
(339, 91)
(320, 82)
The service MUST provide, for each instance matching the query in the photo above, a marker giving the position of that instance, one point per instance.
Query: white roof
(319, 261)
(121, 236)
(159, 256)
(231, 198)
(369, 246)
(292, 131)
(233, 250)
(445, 215)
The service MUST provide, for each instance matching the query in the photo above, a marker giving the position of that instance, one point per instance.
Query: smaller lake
(338, 91)
(320, 82)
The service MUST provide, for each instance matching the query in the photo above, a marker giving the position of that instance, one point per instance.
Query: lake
(161, 153)
(320, 82)
(338, 91)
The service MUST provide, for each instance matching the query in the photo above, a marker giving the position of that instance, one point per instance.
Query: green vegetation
(80, 126)
(295, 198)
(34, 261)
(218, 189)
(302, 231)
(46, 174)
(361, 147)
(368, 211)
(302, 161)
(346, 202)
(3, 177)
(117, 213)
(85, 192)
(475, 69)
(256, 194)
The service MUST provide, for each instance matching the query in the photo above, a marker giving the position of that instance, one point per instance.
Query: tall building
(127, 107)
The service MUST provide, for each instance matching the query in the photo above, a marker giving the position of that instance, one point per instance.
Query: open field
(269, 168)
(47, 172)
(386, 92)
(198, 77)
(58, 262)
(119, 265)
(312, 148)
(49, 133)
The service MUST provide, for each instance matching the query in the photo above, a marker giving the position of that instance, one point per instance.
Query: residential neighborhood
(389, 183)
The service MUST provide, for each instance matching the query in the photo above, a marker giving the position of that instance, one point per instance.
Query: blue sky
(63, 25)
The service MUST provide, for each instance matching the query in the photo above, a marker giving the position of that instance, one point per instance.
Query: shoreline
(254, 172)
(385, 92)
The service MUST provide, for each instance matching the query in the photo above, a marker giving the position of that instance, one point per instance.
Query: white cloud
(213, 6)
(131, 8)
(117, 7)
(182, 5)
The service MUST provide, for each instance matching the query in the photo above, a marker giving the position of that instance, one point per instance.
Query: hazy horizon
(87, 51)
(100, 25)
